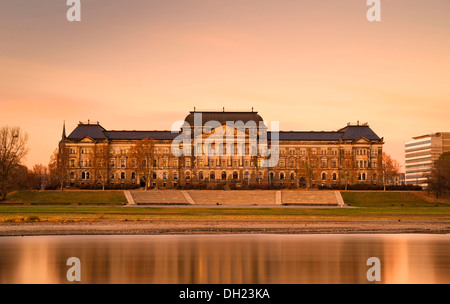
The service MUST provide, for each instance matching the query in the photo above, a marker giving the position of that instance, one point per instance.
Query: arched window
(324, 176)
(375, 177)
(247, 175)
(88, 175)
(155, 176)
(212, 176)
(334, 176)
(292, 176)
(235, 175)
(133, 175)
(72, 175)
(122, 175)
(364, 176)
(282, 176)
(224, 175)
(175, 176)
(188, 175)
(271, 176)
(200, 175)
(83, 175)
(164, 175)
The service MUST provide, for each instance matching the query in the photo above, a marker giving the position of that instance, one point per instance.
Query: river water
(230, 259)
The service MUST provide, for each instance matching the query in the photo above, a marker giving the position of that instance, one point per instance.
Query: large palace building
(349, 155)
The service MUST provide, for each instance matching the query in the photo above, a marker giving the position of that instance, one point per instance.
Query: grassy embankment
(372, 206)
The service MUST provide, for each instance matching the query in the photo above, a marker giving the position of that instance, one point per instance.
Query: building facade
(350, 155)
(420, 153)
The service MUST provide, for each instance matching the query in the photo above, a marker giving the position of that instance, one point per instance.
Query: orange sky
(312, 65)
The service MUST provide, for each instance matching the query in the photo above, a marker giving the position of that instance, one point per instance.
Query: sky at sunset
(144, 64)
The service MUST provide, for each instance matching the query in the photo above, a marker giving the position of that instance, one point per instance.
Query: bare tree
(13, 148)
(439, 178)
(59, 166)
(38, 176)
(391, 169)
(347, 174)
(102, 161)
(309, 168)
(143, 156)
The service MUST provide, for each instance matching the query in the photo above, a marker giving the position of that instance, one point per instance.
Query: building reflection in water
(234, 259)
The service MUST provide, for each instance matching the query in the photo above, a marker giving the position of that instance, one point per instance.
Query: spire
(64, 130)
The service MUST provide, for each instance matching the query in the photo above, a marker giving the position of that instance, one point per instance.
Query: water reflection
(234, 259)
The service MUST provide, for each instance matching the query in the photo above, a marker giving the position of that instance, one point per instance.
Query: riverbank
(225, 226)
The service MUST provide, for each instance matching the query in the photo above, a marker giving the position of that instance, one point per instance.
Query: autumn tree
(347, 173)
(59, 166)
(38, 176)
(391, 169)
(439, 178)
(13, 148)
(142, 155)
(102, 160)
(309, 168)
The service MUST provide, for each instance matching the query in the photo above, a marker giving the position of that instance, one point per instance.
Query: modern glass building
(420, 153)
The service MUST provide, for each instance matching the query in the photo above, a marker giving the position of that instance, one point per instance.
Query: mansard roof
(223, 117)
(94, 131)
(97, 132)
(139, 135)
(350, 132)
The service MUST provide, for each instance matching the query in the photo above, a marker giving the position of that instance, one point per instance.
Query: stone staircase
(159, 197)
(312, 198)
(237, 198)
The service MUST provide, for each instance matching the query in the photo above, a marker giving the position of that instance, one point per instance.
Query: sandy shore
(154, 227)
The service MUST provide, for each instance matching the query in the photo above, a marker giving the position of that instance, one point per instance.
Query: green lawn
(372, 206)
(388, 199)
(67, 197)
(152, 213)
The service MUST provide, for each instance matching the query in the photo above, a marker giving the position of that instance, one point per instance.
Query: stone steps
(238, 197)
(159, 197)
